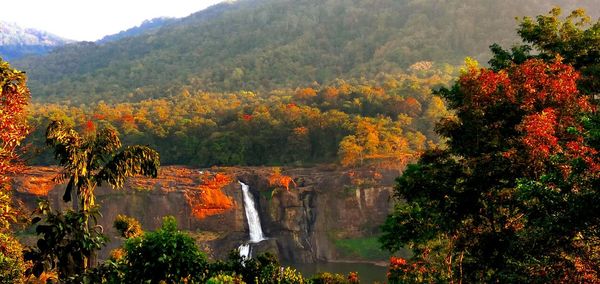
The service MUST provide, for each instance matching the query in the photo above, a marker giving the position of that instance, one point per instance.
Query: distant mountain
(145, 27)
(266, 44)
(16, 42)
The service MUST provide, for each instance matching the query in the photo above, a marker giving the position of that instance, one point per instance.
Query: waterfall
(244, 251)
(256, 233)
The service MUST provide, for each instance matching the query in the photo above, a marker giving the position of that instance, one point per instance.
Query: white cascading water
(244, 251)
(256, 233)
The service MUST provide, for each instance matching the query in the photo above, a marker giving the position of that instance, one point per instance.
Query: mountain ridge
(261, 45)
(17, 42)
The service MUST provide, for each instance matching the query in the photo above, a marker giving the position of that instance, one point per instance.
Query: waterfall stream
(256, 233)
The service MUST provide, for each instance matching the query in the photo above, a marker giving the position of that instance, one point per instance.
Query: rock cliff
(323, 209)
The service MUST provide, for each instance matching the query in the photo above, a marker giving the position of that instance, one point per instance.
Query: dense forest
(265, 45)
(355, 123)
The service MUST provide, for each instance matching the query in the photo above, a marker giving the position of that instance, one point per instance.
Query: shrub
(225, 279)
(329, 278)
(128, 227)
(289, 275)
(12, 266)
(164, 255)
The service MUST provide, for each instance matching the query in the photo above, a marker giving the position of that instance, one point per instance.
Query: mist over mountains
(16, 41)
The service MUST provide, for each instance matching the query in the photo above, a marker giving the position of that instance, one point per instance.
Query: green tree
(166, 255)
(66, 241)
(90, 159)
(506, 200)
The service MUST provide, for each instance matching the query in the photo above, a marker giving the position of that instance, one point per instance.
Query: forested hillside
(355, 123)
(145, 27)
(263, 45)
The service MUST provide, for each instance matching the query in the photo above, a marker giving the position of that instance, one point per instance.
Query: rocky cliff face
(302, 223)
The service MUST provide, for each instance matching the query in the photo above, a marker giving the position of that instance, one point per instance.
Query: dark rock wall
(301, 223)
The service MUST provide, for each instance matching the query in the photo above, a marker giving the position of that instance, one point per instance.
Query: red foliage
(353, 277)
(98, 116)
(401, 270)
(247, 117)
(540, 138)
(89, 127)
(14, 97)
(547, 95)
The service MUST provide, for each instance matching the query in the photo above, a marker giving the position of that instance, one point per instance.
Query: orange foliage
(205, 198)
(98, 116)
(301, 131)
(330, 93)
(127, 118)
(411, 106)
(36, 181)
(306, 93)
(208, 199)
(277, 179)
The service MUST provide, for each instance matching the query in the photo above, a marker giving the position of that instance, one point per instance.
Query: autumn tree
(14, 97)
(514, 196)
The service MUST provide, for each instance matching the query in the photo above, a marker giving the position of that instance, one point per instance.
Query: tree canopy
(261, 45)
(513, 198)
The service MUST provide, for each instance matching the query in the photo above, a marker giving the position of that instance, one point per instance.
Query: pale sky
(93, 19)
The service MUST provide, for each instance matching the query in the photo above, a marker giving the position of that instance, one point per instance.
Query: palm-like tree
(92, 159)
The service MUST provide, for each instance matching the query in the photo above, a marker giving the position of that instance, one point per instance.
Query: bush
(289, 275)
(164, 255)
(329, 278)
(225, 279)
(12, 266)
(128, 227)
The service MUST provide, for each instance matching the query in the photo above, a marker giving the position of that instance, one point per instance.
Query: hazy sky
(93, 19)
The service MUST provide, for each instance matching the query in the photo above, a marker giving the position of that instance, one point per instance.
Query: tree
(513, 125)
(66, 241)
(164, 255)
(505, 201)
(14, 97)
(91, 159)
